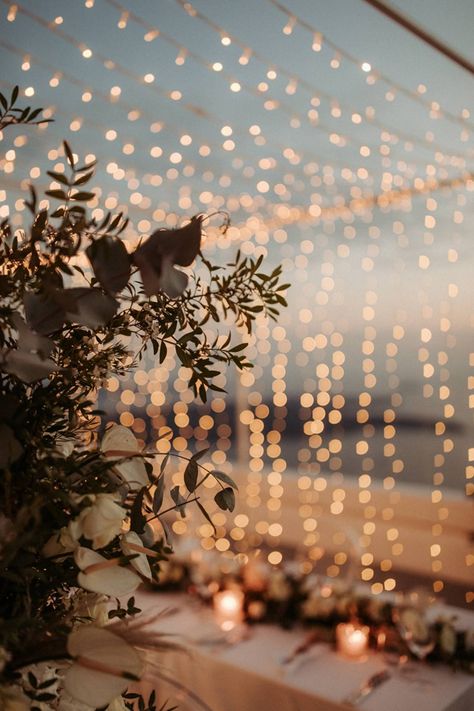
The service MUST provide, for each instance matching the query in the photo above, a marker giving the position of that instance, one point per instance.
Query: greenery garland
(272, 595)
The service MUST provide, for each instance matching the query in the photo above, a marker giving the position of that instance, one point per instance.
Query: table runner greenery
(276, 595)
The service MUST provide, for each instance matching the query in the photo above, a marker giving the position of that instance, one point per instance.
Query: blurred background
(341, 146)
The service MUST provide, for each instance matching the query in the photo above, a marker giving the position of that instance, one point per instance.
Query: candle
(228, 608)
(381, 640)
(352, 639)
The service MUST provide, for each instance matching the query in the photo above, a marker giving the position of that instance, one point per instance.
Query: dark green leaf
(57, 194)
(84, 178)
(206, 515)
(39, 224)
(59, 177)
(110, 262)
(137, 517)
(164, 462)
(163, 352)
(87, 166)
(221, 476)
(225, 499)
(34, 114)
(158, 495)
(82, 196)
(200, 454)
(69, 155)
(191, 475)
(178, 500)
(45, 697)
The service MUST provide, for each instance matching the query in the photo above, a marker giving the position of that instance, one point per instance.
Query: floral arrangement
(83, 519)
(284, 596)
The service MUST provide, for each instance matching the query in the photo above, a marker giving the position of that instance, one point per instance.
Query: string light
(336, 210)
(344, 53)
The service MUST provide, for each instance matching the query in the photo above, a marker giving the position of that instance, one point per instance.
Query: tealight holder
(352, 639)
(229, 609)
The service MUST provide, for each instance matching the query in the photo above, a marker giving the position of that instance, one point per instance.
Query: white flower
(318, 607)
(101, 521)
(93, 605)
(310, 583)
(131, 544)
(104, 576)
(278, 587)
(65, 446)
(448, 639)
(63, 542)
(117, 704)
(103, 666)
(413, 623)
(118, 443)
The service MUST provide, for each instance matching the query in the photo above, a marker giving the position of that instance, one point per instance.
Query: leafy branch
(11, 115)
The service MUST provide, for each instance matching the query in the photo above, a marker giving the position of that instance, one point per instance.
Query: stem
(199, 483)
(173, 508)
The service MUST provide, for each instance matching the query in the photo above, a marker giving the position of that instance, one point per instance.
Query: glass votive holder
(352, 639)
(229, 609)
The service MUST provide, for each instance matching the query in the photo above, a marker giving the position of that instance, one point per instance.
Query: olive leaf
(206, 515)
(179, 500)
(159, 493)
(221, 476)
(191, 475)
(200, 454)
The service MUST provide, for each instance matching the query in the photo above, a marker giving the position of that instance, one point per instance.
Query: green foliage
(10, 114)
(64, 329)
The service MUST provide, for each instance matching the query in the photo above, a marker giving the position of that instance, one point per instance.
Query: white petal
(115, 580)
(97, 645)
(172, 281)
(28, 366)
(141, 562)
(121, 439)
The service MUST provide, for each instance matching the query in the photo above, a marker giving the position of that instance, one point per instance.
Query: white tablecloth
(249, 677)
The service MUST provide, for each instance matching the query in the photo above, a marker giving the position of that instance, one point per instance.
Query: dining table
(248, 669)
